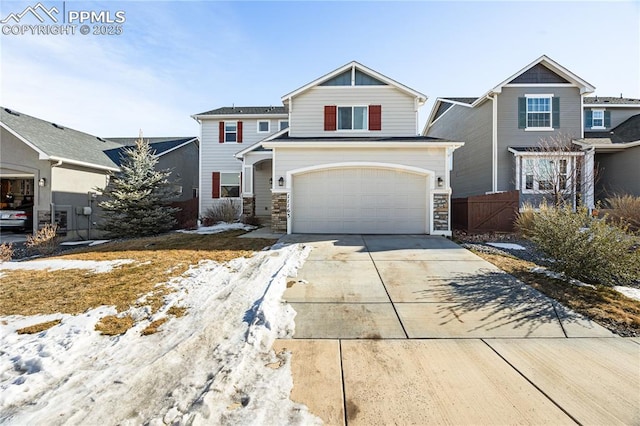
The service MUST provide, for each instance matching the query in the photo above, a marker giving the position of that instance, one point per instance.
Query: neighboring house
(605, 113)
(508, 132)
(617, 152)
(55, 170)
(178, 154)
(55, 167)
(224, 132)
(350, 162)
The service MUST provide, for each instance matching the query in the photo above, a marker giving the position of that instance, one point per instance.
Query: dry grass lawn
(157, 259)
(602, 304)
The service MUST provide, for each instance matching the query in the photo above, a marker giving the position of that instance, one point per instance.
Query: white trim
(353, 65)
(439, 101)
(263, 121)
(83, 164)
(225, 131)
(234, 172)
(546, 153)
(538, 96)
(607, 147)
(176, 147)
(368, 144)
(611, 105)
(539, 84)
(602, 110)
(366, 126)
(539, 129)
(239, 117)
(256, 145)
(494, 142)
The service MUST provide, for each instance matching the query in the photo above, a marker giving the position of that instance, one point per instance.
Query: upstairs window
(597, 119)
(230, 131)
(264, 126)
(539, 112)
(352, 118)
(283, 124)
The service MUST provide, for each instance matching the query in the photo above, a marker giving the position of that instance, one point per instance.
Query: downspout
(494, 143)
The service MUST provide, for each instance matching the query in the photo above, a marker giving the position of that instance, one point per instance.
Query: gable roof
(358, 66)
(159, 145)
(245, 110)
(58, 143)
(609, 100)
(625, 132)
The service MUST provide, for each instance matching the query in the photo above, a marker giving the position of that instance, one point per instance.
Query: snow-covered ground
(219, 227)
(96, 266)
(212, 366)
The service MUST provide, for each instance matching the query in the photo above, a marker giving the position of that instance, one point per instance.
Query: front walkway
(416, 330)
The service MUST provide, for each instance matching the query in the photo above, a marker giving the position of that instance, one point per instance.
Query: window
(597, 117)
(264, 126)
(229, 185)
(352, 118)
(538, 112)
(230, 131)
(283, 124)
(544, 174)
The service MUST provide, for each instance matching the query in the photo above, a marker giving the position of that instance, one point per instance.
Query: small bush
(6, 252)
(586, 248)
(625, 209)
(524, 221)
(251, 220)
(226, 210)
(45, 241)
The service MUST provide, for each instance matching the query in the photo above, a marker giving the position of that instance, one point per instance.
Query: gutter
(494, 142)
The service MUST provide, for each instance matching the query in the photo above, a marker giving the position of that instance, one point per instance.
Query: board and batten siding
(471, 173)
(307, 110)
(510, 135)
(220, 157)
(288, 159)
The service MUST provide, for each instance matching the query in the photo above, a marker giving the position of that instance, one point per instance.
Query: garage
(360, 200)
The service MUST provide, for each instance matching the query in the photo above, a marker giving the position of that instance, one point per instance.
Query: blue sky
(177, 58)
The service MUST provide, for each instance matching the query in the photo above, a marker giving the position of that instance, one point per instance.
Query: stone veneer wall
(248, 206)
(279, 212)
(441, 212)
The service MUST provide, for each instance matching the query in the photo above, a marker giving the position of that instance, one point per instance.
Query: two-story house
(519, 136)
(350, 161)
(612, 132)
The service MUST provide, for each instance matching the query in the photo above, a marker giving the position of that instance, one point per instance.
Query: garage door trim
(354, 165)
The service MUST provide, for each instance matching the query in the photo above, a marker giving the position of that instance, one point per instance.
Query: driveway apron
(417, 330)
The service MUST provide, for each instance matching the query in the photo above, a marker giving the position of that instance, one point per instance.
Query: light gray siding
(472, 163)
(399, 116)
(262, 188)
(510, 135)
(287, 159)
(618, 173)
(216, 156)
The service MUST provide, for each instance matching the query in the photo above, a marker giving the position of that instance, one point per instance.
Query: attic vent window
(57, 126)
(12, 112)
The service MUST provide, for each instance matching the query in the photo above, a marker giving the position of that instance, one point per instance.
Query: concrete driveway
(417, 330)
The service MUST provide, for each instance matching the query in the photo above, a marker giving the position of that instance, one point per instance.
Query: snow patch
(96, 266)
(509, 246)
(560, 276)
(219, 227)
(212, 366)
(630, 292)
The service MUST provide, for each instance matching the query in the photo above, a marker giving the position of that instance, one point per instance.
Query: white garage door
(359, 201)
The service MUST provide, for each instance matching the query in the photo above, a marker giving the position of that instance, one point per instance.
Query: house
(224, 132)
(615, 144)
(178, 154)
(519, 136)
(55, 170)
(350, 160)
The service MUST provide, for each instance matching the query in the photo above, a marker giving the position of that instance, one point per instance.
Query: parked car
(18, 219)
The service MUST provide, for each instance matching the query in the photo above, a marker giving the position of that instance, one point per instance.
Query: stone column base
(279, 212)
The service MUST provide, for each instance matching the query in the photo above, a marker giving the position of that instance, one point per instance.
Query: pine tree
(136, 200)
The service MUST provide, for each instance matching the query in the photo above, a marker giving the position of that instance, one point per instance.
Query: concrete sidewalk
(496, 352)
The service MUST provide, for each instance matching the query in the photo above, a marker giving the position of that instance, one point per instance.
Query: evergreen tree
(136, 200)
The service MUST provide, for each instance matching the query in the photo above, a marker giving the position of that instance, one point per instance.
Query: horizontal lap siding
(510, 135)
(398, 112)
(471, 173)
(619, 115)
(294, 158)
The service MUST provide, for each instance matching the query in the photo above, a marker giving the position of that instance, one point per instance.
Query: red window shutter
(330, 112)
(215, 185)
(221, 132)
(375, 117)
(239, 131)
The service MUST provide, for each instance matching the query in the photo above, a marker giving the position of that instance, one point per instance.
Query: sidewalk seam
(344, 393)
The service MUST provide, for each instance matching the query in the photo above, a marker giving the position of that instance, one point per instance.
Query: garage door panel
(359, 200)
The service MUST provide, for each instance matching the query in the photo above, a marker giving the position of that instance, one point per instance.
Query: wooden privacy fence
(486, 213)
(187, 216)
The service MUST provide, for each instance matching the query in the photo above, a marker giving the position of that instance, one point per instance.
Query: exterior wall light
(440, 182)
(270, 181)
(42, 182)
(281, 181)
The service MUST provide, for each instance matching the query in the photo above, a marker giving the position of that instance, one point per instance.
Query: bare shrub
(524, 221)
(625, 209)
(45, 241)
(6, 252)
(251, 220)
(585, 247)
(227, 210)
